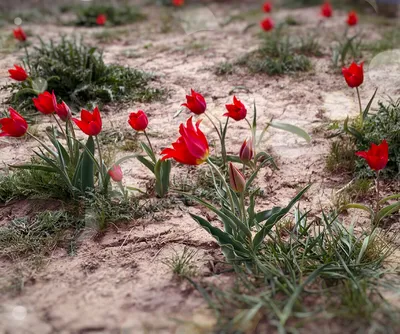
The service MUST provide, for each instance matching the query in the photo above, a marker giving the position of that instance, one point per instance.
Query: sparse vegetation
(181, 264)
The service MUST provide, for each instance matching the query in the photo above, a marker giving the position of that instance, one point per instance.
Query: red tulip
(246, 151)
(19, 34)
(91, 122)
(138, 120)
(18, 73)
(195, 103)
(236, 178)
(237, 110)
(44, 103)
(326, 9)
(352, 18)
(15, 126)
(115, 173)
(191, 148)
(178, 3)
(101, 19)
(267, 24)
(267, 7)
(62, 109)
(377, 157)
(354, 75)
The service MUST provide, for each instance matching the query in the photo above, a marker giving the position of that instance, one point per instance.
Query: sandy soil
(119, 283)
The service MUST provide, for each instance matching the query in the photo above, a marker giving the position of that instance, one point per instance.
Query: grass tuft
(181, 264)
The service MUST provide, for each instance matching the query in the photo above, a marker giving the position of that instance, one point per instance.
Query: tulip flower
(352, 18)
(267, 24)
(178, 3)
(354, 75)
(91, 122)
(138, 120)
(246, 151)
(236, 178)
(115, 173)
(44, 103)
(18, 73)
(237, 110)
(326, 10)
(61, 109)
(377, 157)
(191, 148)
(19, 34)
(195, 103)
(101, 19)
(267, 7)
(14, 126)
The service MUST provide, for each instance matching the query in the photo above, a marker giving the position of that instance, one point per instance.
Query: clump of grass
(311, 271)
(38, 235)
(341, 157)
(309, 46)
(21, 183)
(224, 68)
(181, 264)
(291, 21)
(353, 192)
(77, 73)
(278, 54)
(346, 49)
(110, 35)
(116, 15)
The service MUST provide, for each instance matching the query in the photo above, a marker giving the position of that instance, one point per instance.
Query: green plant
(341, 157)
(346, 48)
(224, 68)
(116, 15)
(79, 76)
(312, 270)
(390, 40)
(277, 55)
(181, 264)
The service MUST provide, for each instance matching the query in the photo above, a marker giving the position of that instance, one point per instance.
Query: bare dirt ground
(118, 283)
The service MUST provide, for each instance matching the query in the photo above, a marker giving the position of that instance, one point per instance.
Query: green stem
(214, 125)
(100, 160)
(359, 103)
(228, 189)
(151, 147)
(27, 58)
(377, 194)
(223, 147)
(243, 208)
(59, 125)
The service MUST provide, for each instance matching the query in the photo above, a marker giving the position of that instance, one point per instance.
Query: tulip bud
(246, 151)
(236, 179)
(116, 173)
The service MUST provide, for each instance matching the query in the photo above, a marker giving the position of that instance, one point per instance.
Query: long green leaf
(292, 129)
(87, 170)
(366, 110)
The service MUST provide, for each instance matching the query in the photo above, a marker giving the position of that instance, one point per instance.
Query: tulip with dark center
(237, 110)
(195, 103)
(267, 24)
(19, 34)
(18, 73)
(191, 148)
(13, 126)
(90, 122)
(236, 178)
(352, 19)
(377, 157)
(44, 103)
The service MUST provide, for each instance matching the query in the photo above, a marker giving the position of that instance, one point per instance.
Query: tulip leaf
(223, 238)
(357, 206)
(24, 91)
(39, 85)
(386, 211)
(266, 214)
(147, 163)
(162, 171)
(149, 151)
(388, 198)
(274, 218)
(87, 168)
(363, 249)
(366, 110)
(292, 129)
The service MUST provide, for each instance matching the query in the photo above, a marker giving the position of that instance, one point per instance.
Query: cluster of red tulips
(327, 11)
